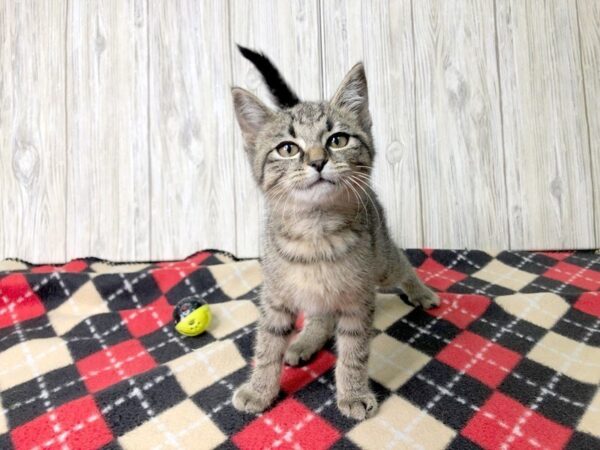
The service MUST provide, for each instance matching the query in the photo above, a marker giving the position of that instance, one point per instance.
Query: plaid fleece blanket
(511, 359)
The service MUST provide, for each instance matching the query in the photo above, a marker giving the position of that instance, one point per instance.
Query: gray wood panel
(118, 138)
(191, 119)
(32, 130)
(108, 152)
(589, 33)
(289, 33)
(545, 132)
(380, 34)
(459, 134)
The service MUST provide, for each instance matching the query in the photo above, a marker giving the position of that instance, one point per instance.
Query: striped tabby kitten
(326, 245)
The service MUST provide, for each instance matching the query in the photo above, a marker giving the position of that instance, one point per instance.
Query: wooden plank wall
(117, 135)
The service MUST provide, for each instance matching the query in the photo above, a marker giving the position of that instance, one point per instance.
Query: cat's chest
(316, 239)
(322, 285)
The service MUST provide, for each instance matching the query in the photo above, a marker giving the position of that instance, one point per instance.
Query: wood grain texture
(545, 134)
(118, 137)
(191, 120)
(32, 130)
(288, 32)
(589, 33)
(108, 152)
(380, 34)
(459, 134)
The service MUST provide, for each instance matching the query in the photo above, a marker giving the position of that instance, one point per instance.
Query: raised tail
(282, 94)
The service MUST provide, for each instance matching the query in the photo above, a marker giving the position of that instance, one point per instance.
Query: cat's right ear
(251, 113)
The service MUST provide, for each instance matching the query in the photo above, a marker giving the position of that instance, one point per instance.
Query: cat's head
(314, 153)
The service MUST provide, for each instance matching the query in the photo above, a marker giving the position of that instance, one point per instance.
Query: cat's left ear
(353, 95)
(251, 113)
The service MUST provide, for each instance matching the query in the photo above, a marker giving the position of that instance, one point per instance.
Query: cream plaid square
(393, 363)
(29, 359)
(542, 309)
(238, 278)
(8, 265)
(388, 309)
(400, 425)
(231, 316)
(84, 303)
(498, 273)
(208, 364)
(182, 426)
(575, 359)
(590, 422)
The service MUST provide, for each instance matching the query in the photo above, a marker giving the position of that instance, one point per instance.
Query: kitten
(326, 245)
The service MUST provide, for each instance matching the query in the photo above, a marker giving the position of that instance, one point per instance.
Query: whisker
(359, 185)
(358, 196)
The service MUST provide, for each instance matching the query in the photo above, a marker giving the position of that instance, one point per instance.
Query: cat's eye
(287, 149)
(338, 140)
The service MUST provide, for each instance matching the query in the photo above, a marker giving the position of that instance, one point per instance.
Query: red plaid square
(589, 303)
(150, 318)
(504, 422)
(77, 265)
(167, 277)
(77, 424)
(438, 276)
(289, 425)
(295, 378)
(575, 275)
(466, 309)
(114, 364)
(192, 261)
(559, 256)
(480, 358)
(18, 302)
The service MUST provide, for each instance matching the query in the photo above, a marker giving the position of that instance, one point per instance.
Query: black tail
(280, 91)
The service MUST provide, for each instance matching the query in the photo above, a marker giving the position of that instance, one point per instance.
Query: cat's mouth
(319, 182)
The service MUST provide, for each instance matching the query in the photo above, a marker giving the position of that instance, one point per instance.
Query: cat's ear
(251, 113)
(353, 95)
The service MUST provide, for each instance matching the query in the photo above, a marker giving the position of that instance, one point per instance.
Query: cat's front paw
(426, 298)
(247, 399)
(358, 407)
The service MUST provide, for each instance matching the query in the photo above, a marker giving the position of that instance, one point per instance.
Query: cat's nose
(318, 164)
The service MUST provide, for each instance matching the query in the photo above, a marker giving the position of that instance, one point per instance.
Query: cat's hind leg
(316, 332)
(399, 272)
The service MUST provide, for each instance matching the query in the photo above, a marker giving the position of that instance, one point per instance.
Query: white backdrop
(117, 135)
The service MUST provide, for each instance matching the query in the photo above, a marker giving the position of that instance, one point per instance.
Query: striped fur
(326, 245)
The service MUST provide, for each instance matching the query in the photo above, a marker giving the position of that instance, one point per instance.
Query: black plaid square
(424, 332)
(53, 389)
(448, 395)
(132, 402)
(216, 401)
(320, 395)
(582, 441)
(91, 334)
(545, 284)
(56, 287)
(507, 330)
(200, 282)
(472, 285)
(557, 397)
(165, 344)
(127, 290)
(36, 328)
(468, 261)
(529, 262)
(578, 325)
